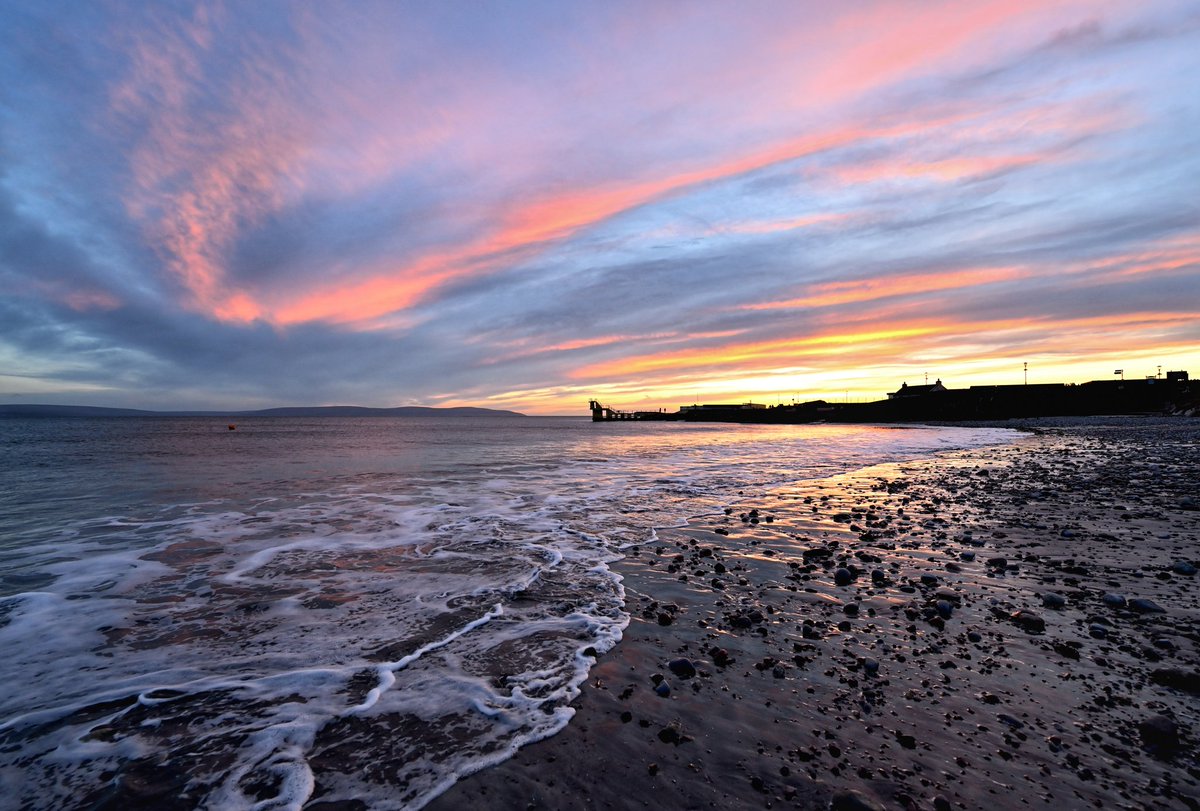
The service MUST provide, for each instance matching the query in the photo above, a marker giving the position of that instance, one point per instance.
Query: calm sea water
(215, 616)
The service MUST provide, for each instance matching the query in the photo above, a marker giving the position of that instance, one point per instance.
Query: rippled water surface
(335, 608)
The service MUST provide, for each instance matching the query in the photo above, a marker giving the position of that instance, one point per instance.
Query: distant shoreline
(40, 410)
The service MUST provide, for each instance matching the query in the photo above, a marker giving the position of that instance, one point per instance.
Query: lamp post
(1026, 365)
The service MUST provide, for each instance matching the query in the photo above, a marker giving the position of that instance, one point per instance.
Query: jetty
(1175, 393)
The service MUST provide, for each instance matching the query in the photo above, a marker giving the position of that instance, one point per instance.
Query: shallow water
(336, 608)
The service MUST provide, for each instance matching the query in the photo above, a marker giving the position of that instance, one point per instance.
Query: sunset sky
(524, 205)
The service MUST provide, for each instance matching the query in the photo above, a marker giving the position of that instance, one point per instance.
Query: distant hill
(43, 410)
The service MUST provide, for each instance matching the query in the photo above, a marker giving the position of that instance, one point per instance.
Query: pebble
(929, 579)
(1144, 606)
(1114, 600)
(997, 563)
(1187, 681)
(663, 689)
(974, 636)
(1029, 621)
(853, 801)
(1184, 568)
(944, 608)
(670, 734)
(1052, 600)
(968, 556)
(1160, 735)
(843, 577)
(682, 668)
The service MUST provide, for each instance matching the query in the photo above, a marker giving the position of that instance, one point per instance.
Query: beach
(1008, 626)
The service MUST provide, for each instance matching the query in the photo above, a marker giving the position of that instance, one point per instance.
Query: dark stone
(1052, 600)
(974, 636)
(671, 734)
(1114, 600)
(682, 668)
(944, 608)
(1029, 621)
(1176, 679)
(664, 618)
(843, 577)
(1160, 735)
(853, 801)
(1063, 649)
(997, 563)
(1184, 568)
(721, 657)
(1144, 606)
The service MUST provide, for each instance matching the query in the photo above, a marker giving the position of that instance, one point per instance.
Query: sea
(361, 611)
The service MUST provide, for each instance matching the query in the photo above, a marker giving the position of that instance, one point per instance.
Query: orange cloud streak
(540, 221)
(734, 355)
(902, 341)
(859, 290)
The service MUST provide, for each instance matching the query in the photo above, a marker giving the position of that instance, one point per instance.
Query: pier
(602, 413)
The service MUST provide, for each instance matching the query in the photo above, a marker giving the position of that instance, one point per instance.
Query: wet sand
(1011, 627)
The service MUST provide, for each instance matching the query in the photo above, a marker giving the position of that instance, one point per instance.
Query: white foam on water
(376, 639)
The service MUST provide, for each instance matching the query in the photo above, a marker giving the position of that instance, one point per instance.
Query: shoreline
(970, 657)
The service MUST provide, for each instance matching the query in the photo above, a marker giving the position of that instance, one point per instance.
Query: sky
(526, 205)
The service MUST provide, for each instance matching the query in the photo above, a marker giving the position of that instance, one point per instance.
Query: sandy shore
(1005, 627)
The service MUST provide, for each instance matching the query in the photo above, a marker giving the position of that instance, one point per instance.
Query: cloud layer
(244, 204)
